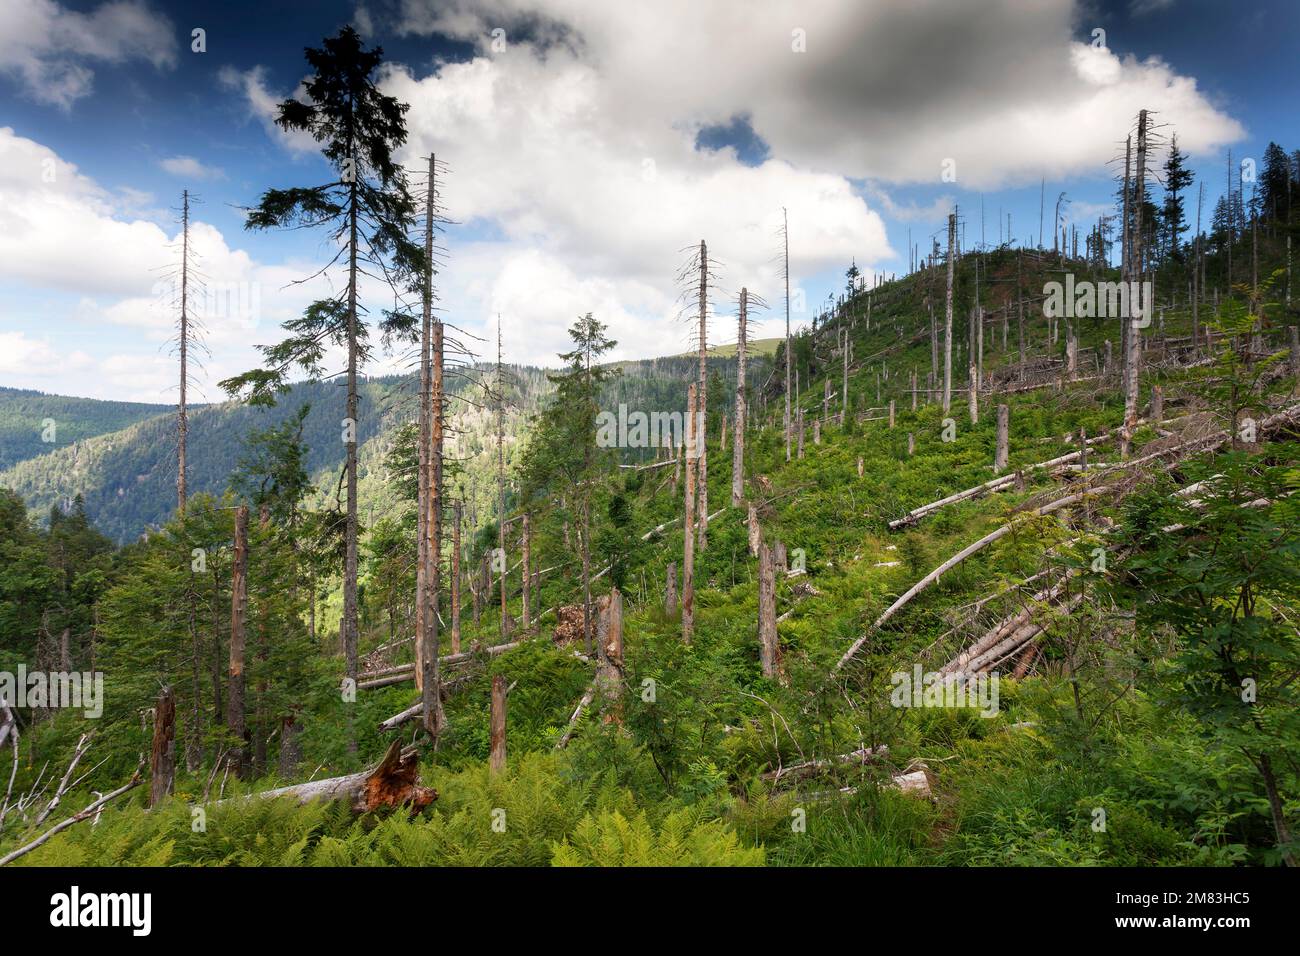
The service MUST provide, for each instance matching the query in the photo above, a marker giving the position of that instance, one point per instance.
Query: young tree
(564, 454)
(1177, 179)
(1223, 584)
(368, 210)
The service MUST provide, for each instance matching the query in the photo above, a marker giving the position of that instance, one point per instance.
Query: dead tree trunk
(702, 395)
(162, 764)
(238, 636)
(947, 317)
(455, 579)
(670, 590)
(609, 671)
(972, 366)
(738, 446)
(497, 728)
(688, 544)
(755, 533)
(768, 647)
(1002, 456)
(525, 573)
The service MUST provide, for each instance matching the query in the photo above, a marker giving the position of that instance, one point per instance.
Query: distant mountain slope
(127, 476)
(25, 414)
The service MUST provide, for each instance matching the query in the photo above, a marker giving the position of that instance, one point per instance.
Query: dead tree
(497, 727)
(162, 764)
(238, 636)
(972, 364)
(688, 546)
(525, 572)
(1136, 261)
(769, 648)
(785, 272)
(427, 673)
(670, 590)
(1001, 457)
(947, 316)
(609, 670)
(501, 488)
(455, 578)
(738, 446)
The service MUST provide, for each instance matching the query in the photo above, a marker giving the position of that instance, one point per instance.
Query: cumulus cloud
(880, 90)
(48, 49)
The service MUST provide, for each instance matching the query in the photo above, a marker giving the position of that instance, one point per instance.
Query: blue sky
(589, 145)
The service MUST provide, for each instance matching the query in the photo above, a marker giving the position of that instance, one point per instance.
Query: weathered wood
(951, 563)
(455, 578)
(609, 670)
(738, 447)
(85, 814)
(393, 782)
(1002, 457)
(688, 538)
(810, 768)
(162, 763)
(526, 574)
(670, 590)
(497, 726)
(238, 636)
(769, 648)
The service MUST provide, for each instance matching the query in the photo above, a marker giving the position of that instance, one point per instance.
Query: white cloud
(884, 90)
(265, 105)
(187, 167)
(37, 359)
(46, 48)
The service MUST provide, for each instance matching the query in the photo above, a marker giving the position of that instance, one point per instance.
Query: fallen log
(809, 768)
(393, 782)
(951, 563)
(404, 672)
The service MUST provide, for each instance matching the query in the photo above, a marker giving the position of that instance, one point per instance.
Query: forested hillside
(26, 417)
(1013, 583)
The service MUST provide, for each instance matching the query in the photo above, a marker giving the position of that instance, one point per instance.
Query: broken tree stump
(162, 763)
(497, 726)
(393, 782)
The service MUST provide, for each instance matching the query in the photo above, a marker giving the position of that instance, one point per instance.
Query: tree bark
(497, 727)
(238, 612)
(162, 764)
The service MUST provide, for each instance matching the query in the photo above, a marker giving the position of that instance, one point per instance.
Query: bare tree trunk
(455, 580)
(162, 765)
(1002, 455)
(688, 552)
(183, 342)
(972, 366)
(1134, 363)
(525, 573)
(238, 611)
(609, 672)
(755, 534)
(738, 446)
(702, 396)
(785, 237)
(501, 482)
(947, 317)
(497, 727)
(670, 590)
(769, 647)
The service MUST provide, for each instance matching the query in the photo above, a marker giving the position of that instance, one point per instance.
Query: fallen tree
(393, 782)
(952, 562)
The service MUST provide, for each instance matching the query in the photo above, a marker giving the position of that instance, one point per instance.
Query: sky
(589, 145)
